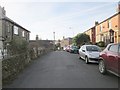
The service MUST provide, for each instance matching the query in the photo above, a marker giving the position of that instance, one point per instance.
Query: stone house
(10, 30)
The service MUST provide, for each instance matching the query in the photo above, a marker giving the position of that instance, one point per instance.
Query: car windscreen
(92, 48)
(74, 47)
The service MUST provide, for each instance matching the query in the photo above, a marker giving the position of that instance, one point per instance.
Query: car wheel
(86, 60)
(102, 67)
(79, 57)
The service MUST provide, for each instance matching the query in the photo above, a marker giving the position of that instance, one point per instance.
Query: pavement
(60, 69)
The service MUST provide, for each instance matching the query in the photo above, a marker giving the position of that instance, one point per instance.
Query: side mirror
(83, 50)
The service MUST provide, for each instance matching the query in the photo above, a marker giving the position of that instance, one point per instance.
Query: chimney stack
(96, 23)
(37, 38)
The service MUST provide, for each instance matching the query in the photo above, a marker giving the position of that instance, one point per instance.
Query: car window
(92, 48)
(119, 49)
(113, 48)
(83, 48)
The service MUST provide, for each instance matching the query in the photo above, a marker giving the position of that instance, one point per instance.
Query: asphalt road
(61, 69)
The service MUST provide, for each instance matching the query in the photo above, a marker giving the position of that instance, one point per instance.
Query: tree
(81, 39)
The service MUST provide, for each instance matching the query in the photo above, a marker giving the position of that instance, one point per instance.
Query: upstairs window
(109, 24)
(16, 30)
(100, 27)
(8, 28)
(23, 33)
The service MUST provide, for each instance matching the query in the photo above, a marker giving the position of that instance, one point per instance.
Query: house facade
(65, 42)
(109, 30)
(91, 32)
(10, 30)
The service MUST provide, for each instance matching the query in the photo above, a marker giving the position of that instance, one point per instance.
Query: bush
(101, 44)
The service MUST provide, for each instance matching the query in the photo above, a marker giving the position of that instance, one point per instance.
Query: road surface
(61, 69)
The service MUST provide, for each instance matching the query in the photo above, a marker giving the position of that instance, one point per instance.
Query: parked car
(90, 53)
(64, 48)
(110, 59)
(74, 49)
(68, 48)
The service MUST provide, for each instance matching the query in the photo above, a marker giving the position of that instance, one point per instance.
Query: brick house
(65, 42)
(107, 30)
(92, 33)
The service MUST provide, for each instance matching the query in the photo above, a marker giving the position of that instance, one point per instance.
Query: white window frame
(101, 28)
(110, 24)
(16, 30)
(8, 28)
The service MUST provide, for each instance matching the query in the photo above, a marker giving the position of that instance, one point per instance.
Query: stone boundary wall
(13, 65)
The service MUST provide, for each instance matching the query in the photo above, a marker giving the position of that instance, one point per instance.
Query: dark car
(110, 59)
(74, 49)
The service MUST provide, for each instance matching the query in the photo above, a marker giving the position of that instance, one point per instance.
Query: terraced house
(107, 30)
(10, 30)
(92, 33)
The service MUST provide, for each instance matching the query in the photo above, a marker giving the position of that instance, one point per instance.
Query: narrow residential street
(61, 69)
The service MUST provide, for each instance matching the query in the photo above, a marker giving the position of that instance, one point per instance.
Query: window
(119, 49)
(16, 30)
(109, 24)
(92, 48)
(8, 28)
(23, 33)
(113, 48)
(101, 27)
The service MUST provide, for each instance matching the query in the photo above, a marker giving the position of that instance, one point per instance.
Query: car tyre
(79, 57)
(102, 67)
(86, 60)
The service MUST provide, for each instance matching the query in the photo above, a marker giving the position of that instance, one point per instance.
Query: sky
(64, 17)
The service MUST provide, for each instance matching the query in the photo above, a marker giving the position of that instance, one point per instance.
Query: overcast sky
(65, 18)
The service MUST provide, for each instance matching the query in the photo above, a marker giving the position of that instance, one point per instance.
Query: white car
(0, 54)
(90, 53)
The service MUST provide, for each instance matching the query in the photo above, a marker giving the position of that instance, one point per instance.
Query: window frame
(113, 46)
(16, 30)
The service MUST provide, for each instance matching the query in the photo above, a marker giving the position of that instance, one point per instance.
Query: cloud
(60, 1)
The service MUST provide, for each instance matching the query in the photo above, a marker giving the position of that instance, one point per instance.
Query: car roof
(89, 45)
(114, 44)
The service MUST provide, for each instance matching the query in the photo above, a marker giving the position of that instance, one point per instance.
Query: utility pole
(54, 39)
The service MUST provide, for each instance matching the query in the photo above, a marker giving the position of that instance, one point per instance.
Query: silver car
(90, 53)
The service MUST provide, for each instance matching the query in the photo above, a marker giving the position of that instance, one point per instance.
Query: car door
(119, 59)
(80, 52)
(83, 52)
(112, 58)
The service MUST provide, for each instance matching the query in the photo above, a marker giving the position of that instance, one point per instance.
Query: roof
(109, 18)
(11, 21)
(103, 21)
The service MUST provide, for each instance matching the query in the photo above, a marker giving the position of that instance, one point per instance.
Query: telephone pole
(54, 39)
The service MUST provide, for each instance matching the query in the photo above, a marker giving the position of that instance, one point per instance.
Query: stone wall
(13, 65)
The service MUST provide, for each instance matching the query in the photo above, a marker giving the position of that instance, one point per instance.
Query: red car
(110, 59)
